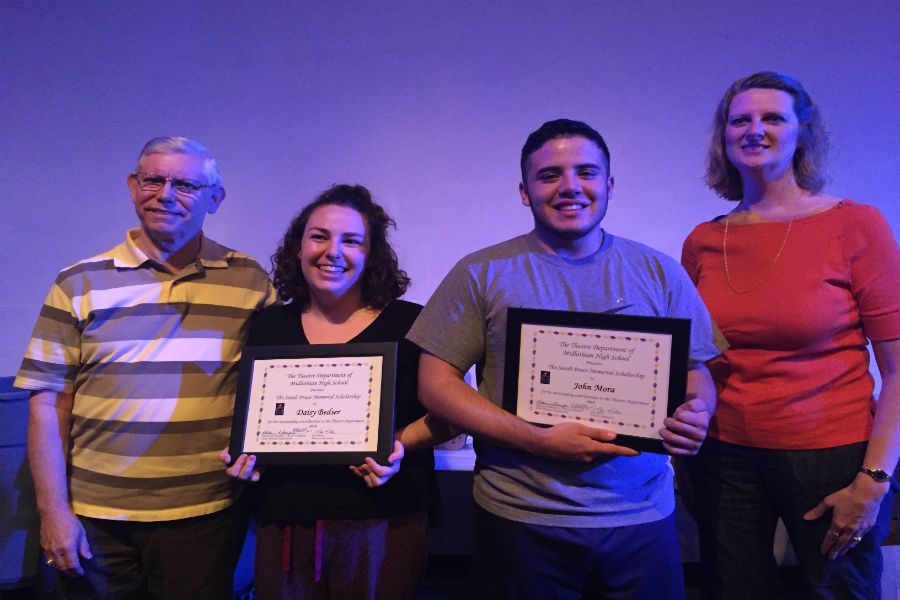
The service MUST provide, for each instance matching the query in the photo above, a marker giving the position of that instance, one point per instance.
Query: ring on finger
(834, 533)
(50, 562)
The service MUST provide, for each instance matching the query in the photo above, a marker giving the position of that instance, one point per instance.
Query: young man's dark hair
(560, 128)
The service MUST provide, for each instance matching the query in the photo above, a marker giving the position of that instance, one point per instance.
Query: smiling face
(170, 218)
(333, 253)
(762, 132)
(568, 189)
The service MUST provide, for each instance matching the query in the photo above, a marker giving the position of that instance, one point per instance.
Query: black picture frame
(329, 454)
(678, 329)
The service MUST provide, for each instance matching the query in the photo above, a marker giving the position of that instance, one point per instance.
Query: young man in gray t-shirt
(563, 511)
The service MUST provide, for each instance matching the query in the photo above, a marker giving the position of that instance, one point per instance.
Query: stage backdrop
(426, 102)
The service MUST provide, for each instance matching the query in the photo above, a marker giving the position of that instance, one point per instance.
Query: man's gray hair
(183, 145)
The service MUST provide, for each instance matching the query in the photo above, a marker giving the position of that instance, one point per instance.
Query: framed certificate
(617, 372)
(317, 404)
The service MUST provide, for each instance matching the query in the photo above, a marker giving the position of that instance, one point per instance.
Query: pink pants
(328, 560)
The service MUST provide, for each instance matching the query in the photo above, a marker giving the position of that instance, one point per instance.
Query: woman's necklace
(768, 271)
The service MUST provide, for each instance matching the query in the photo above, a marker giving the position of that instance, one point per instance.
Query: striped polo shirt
(151, 358)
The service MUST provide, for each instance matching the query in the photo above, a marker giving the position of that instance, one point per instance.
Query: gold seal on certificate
(618, 372)
(317, 404)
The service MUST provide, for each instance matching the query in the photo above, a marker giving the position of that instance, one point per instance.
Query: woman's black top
(296, 493)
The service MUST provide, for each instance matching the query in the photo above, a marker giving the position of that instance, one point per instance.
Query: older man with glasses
(132, 370)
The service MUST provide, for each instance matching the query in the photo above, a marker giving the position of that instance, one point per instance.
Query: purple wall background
(425, 102)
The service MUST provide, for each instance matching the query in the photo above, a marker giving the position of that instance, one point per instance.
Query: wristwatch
(879, 475)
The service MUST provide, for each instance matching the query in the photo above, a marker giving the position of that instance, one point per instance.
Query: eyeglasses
(151, 182)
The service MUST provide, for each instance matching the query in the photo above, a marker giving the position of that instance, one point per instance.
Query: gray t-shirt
(464, 323)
